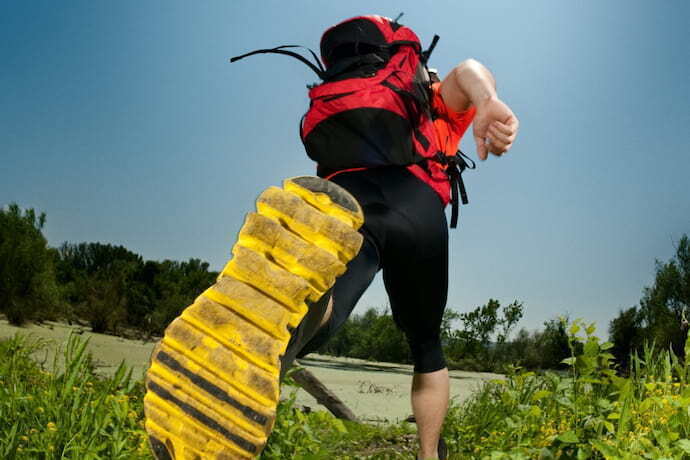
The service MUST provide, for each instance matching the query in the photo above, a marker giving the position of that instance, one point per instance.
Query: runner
(391, 168)
(405, 236)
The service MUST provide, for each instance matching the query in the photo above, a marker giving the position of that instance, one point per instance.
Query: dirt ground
(374, 391)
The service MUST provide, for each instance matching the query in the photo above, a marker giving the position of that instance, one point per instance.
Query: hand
(495, 128)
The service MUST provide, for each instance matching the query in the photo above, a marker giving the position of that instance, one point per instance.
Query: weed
(589, 412)
(67, 411)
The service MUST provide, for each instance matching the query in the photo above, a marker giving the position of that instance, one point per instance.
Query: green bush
(588, 413)
(113, 289)
(97, 279)
(27, 278)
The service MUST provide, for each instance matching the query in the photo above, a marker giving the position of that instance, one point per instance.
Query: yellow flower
(24, 438)
(33, 431)
(51, 426)
(40, 410)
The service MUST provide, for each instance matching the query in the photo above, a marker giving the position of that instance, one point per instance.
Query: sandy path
(374, 391)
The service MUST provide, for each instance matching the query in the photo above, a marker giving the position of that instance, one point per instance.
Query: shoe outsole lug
(213, 383)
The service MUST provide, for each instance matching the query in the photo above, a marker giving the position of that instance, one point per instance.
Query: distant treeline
(114, 290)
(109, 288)
(477, 340)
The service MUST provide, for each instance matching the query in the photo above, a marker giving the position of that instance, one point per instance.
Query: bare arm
(495, 125)
(467, 84)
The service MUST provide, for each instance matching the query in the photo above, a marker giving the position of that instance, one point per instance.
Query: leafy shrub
(590, 412)
(112, 288)
(27, 278)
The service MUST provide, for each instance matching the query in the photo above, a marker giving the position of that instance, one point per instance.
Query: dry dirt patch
(375, 391)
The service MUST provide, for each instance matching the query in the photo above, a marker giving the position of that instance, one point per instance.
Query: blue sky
(126, 124)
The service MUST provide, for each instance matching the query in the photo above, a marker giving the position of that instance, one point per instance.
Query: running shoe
(213, 384)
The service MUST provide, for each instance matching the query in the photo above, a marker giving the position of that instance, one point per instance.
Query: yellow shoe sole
(213, 384)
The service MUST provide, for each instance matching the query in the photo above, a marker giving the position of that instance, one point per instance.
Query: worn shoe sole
(213, 384)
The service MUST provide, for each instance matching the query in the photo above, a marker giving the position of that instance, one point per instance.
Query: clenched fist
(495, 127)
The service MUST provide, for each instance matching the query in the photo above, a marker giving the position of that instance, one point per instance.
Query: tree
(485, 328)
(625, 332)
(111, 287)
(553, 343)
(99, 284)
(543, 349)
(27, 275)
(175, 285)
(662, 309)
(372, 335)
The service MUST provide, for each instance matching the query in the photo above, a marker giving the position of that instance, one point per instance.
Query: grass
(67, 410)
(71, 411)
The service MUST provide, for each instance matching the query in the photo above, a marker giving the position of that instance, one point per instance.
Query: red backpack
(374, 105)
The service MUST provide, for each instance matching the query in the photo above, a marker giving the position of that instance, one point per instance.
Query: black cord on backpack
(318, 68)
(455, 166)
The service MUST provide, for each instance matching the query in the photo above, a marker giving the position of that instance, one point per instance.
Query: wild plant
(589, 412)
(66, 411)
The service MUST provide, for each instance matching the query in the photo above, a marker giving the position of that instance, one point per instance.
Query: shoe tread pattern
(212, 386)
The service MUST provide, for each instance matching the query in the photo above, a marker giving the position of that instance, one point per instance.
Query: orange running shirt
(450, 127)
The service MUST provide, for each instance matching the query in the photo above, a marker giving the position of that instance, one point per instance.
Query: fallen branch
(323, 395)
